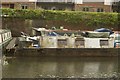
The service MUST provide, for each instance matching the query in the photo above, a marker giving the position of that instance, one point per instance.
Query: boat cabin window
(79, 42)
(103, 42)
(62, 42)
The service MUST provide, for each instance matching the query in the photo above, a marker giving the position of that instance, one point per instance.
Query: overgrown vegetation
(74, 17)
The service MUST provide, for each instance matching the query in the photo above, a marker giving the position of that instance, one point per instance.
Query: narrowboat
(45, 42)
(45, 38)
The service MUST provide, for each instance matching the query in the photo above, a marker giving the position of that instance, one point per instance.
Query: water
(63, 67)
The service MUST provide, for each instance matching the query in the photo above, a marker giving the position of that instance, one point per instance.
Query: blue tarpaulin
(104, 30)
(52, 34)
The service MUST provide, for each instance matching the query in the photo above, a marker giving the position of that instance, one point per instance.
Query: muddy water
(63, 67)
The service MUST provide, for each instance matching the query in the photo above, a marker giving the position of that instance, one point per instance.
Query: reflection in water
(0, 63)
(0, 69)
(61, 67)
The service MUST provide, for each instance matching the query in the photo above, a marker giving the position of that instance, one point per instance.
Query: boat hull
(56, 52)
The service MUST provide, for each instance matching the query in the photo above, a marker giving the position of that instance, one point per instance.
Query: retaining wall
(101, 52)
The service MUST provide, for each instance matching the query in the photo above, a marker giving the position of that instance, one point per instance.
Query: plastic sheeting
(104, 30)
(52, 34)
(98, 34)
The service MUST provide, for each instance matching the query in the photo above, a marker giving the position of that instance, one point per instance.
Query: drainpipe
(111, 7)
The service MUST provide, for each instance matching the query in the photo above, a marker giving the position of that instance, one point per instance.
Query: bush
(73, 17)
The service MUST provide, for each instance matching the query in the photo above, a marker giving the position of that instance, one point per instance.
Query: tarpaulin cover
(104, 30)
(98, 34)
(52, 34)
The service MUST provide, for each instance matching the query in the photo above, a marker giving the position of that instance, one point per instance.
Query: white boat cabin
(5, 36)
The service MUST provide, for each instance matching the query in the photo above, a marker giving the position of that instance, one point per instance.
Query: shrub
(73, 17)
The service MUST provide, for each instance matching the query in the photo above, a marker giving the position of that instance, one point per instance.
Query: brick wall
(55, 6)
(30, 5)
(18, 5)
(93, 7)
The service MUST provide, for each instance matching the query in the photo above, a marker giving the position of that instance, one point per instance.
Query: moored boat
(45, 42)
(47, 38)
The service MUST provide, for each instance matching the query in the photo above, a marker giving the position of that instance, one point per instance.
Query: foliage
(75, 17)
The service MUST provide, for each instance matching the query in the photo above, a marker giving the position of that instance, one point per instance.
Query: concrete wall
(67, 52)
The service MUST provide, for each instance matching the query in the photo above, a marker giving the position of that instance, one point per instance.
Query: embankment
(56, 52)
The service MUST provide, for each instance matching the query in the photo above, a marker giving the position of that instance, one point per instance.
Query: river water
(63, 67)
